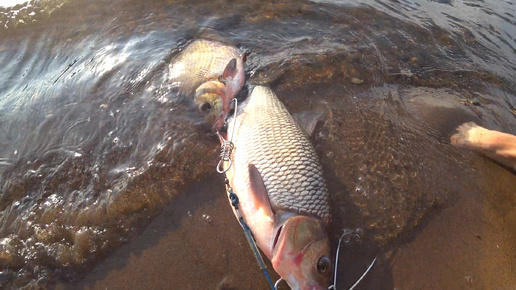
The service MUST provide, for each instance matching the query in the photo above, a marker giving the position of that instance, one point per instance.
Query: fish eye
(323, 264)
(205, 107)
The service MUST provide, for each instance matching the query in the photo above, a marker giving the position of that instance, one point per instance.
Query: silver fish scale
(268, 137)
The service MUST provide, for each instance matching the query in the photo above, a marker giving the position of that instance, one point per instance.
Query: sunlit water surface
(94, 143)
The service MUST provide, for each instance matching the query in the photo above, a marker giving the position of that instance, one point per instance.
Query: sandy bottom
(470, 245)
(195, 243)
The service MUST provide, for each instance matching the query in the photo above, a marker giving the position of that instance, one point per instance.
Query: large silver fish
(211, 72)
(283, 196)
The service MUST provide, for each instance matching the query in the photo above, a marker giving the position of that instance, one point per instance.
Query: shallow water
(94, 145)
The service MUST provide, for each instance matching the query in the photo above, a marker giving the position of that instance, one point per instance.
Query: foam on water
(11, 3)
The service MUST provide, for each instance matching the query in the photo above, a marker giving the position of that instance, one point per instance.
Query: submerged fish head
(212, 101)
(301, 254)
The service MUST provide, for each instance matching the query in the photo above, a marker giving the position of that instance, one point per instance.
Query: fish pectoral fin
(259, 191)
(229, 72)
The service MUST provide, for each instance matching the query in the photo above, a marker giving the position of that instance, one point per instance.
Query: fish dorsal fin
(230, 71)
(259, 191)
(308, 121)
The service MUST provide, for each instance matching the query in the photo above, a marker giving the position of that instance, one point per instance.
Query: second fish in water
(212, 73)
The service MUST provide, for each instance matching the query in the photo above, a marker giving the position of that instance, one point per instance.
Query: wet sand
(470, 245)
(196, 243)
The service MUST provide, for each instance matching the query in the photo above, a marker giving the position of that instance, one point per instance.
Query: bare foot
(470, 135)
(496, 145)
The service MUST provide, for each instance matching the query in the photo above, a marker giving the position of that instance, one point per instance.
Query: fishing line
(248, 234)
(334, 286)
(277, 283)
(225, 154)
(363, 275)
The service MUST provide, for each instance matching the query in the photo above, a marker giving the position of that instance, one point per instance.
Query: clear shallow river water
(94, 144)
